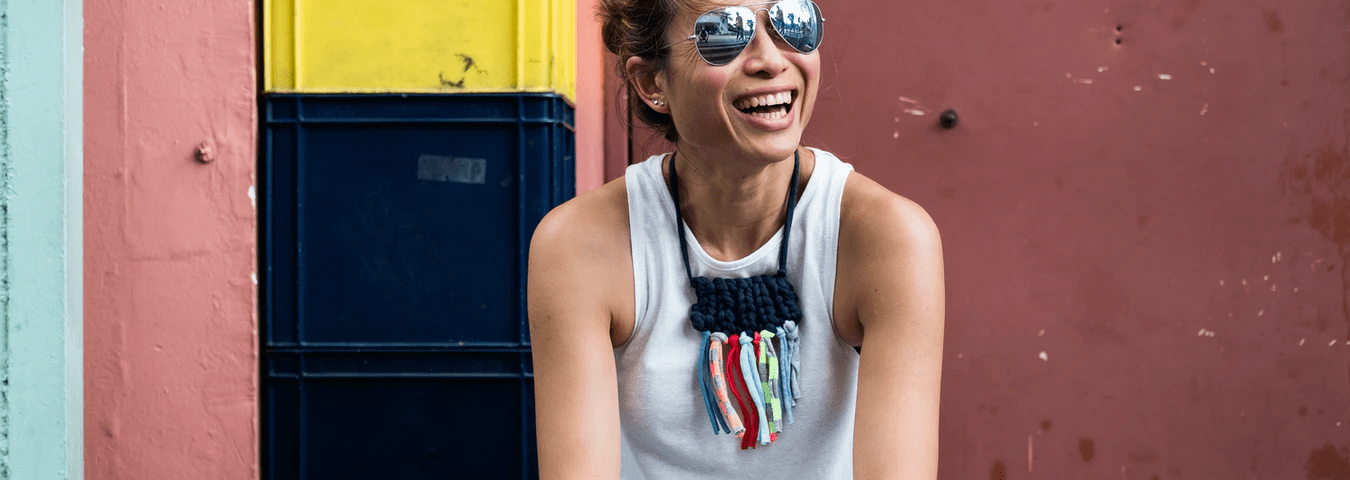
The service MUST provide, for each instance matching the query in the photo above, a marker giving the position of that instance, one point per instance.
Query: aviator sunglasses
(723, 33)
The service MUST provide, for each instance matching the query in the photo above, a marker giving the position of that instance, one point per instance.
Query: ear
(648, 83)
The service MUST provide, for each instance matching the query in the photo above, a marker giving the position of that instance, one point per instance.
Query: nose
(762, 55)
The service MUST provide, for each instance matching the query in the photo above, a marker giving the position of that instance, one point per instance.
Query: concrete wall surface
(170, 240)
(41, 423)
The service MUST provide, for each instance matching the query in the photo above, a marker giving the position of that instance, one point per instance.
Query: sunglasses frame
(755, 11)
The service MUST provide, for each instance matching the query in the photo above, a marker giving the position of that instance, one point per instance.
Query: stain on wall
(1183, 12)
(1327, 463)
(999, 471)
(1086, 449)
(1320, 181)
(1273, 22)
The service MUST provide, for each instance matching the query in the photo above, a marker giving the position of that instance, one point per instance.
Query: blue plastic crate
(406, 218)
(434, 413)
(396, 229)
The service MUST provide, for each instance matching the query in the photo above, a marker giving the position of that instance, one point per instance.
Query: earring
(658, 103)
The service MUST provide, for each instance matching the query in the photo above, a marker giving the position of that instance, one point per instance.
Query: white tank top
(666, 432)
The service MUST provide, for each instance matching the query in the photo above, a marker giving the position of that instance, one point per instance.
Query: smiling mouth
(770, 107)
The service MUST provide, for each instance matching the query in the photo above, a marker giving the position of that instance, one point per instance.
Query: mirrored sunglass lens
(799, 23)
(721, 34)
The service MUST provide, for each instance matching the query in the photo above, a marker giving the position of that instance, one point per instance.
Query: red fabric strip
(734, 378)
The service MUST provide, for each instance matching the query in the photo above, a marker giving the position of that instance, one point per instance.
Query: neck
(733, 207)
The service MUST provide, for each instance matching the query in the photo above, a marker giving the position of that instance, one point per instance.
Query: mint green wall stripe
(41, 256)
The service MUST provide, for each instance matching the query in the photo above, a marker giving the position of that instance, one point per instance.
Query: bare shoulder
(598, 218)
(873, 216)
(579, 257)
(889, 260)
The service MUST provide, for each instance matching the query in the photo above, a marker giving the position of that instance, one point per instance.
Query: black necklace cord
(792, 207)
(787, 224)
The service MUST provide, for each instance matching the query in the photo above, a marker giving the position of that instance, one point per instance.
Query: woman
(616, 293)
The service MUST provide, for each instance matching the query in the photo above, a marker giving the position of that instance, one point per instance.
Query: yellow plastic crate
(420, 46)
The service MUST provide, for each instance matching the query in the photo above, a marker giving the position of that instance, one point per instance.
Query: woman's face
(713, 107)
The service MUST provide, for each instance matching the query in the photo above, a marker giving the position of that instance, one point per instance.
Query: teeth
(782, 98)
(774, 115)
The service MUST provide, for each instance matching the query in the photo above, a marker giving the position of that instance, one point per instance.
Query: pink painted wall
(170, 241)
(1145, 215)
(590, 119)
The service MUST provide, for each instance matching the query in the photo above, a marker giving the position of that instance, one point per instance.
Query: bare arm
(893, 258)
(576, 260)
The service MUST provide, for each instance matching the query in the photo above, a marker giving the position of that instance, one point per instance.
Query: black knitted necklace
(739, 318)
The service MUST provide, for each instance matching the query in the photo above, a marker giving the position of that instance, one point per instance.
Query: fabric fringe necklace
(739, 319)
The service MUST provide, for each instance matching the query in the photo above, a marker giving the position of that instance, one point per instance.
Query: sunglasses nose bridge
(762, 50)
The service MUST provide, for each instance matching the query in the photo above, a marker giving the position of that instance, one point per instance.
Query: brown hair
(637, 28)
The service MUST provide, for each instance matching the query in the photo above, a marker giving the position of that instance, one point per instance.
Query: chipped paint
(914, 107)
(1164, 76)
(1031, 457)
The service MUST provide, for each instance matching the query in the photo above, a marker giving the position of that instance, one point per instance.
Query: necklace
(741, 317)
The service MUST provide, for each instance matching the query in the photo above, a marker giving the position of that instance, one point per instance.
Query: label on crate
(452, 169)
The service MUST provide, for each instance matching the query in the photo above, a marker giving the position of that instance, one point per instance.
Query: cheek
(705, 93)
(811, 71)
(810, 66)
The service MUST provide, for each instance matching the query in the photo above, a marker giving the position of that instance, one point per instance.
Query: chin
(779, 149)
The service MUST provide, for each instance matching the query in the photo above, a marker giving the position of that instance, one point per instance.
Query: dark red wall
(1155, 195)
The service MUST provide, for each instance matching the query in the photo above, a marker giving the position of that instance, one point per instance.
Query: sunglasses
(722, 34)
